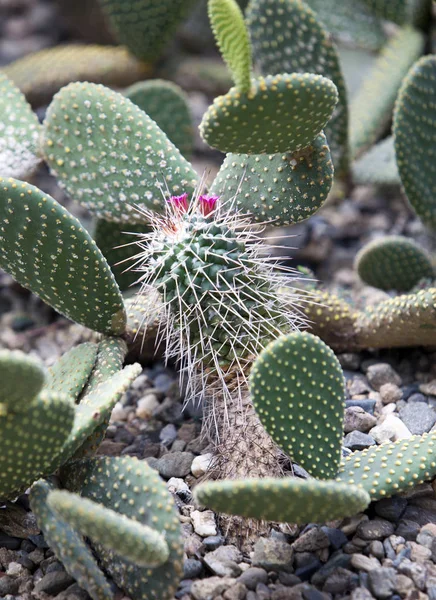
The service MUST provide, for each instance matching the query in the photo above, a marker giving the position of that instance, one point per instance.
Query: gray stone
(8, 585)
(192, 568)
(390, 393)
(313, 540)
(338, 560)
(337, 538)
(417, 398)
(391, 508)
(356, 440)
(356, 418)
(53, 583)
(236, 592)
(381, 582)
(272, 555)
(175, 464)
(376, 529)
(361, 593)
(168, 434)
(339, 581)
(207, 589)
(416, 572)
(367, 404)
(408, 529)
(252, 577)
(418, 417)
(364, 563)
(224, 561)
(382, 373)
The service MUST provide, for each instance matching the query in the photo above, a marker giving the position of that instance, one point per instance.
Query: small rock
(168, 434)
(212, 542)
(356, 440)
(175, 464)
(176, 485)
(337, 538)
(408, 529)
(359, 386)
(204, 522)
(381, 582)
(272, 555)
(382, 373)
(205, 589)
(146, 406)
(349, 360)
(376, 529)
(418, 553)
(336, 560)
(403, 584)
(200, 464)
(313, 540)
(339, 582)
(419, 418)
(392, 429)
(376, 549)
(428, 388)
(8, 585)
(53, 583)
(15, 569)
(357, 419)
(391, 508)
(224, 561)
(389, 392)
(364, 563)
(192, 568)
(417, 572)
(236, 592)
(417, 398)
(252, 577)
(368, 404)
(361, 593)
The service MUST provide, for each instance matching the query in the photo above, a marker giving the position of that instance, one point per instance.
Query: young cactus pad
(378, 166)
(50, 252)
(287, 37)
(414, 133)
(22, 378)
(279, 188)
(71, 372)
(393, 263)
(231, 34)
(19, 132)
(298, 391)
(110, 156)
(288, 500)
(281, 113)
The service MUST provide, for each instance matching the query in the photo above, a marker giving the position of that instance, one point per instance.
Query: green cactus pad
(145, 26)
(48, 251)
(298, 391)
(167, 104)
(68, 545)
(19, 132)
(112, 239)
(393, 263)
(112, 156)
(22, 378)
(133, 541)
(378, 166)
(398, 11)
(288, 500)
(414, 130)
(137, 492)
(391, 467)
(408, 320)
(40, 75)
(31, 440)
(372, 105)
(71, 372)
(281, 113)
(231, 34)
(350, 23)
(284, 188)
(95, 409)
(286, 38)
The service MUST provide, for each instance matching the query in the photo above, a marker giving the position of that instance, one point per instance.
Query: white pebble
(146, 406)
(204, 522)
(392, 429)
(201, 464)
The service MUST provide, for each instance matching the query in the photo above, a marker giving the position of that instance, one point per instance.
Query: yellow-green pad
(392, 467)
(71, 372)
(228, 25)
(167, 104)
(40, 75)
(378, 166)
(22, 378)
(282, 188)
(68, 545)
(281, 113)
(137, 492)
(393, 263)
(48, 251)
(287, 37)
(110, 156)
(288, 500)
(414, 134)
(31, 440)
(298, 391)
(19, 132)
(136, 542)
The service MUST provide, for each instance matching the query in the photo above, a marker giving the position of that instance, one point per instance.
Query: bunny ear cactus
(378, 166)
(393, 263)
(72, 371)
(19, 132)
(22, 379)
(414, 128)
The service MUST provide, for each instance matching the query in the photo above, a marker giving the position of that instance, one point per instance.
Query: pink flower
(207, 204)
(180, 203)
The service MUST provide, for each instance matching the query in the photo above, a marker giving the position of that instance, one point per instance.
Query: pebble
(53, 583)
(359, 386)
(204, 522)
(213, 542)
(175, 464)
(200, 464)
(252, 577)
(418, 417)
(408, 529)
(176, 485)
(168, 434)
(356, 440)
(146, 406)
(392, 429)
(204, 589)
(382, 373)
(224, 561)
(376, 549)
(236, 592)
(192, 568)
(335, 561)
(391, 508)
(337, 538)
(417, 397)
(358, 419)
(368, 404)
(313, 540)
(381, 582)
(361, 593)
(364, 563)
(272, 555)
(339, 582)
(389, 392)
(376, 529)
(428, 388)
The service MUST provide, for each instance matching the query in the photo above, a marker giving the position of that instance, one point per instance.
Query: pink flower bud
(207, 204)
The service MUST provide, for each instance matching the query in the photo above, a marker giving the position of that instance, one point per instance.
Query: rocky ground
(387, 552)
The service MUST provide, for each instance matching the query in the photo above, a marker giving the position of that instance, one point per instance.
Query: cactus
(287, 500)
(287, 38)
(110, 175)
(289, 187)
(296, 381)
(294, 109)
(144, 26)
(393, 263)
(413, 135)
(48, 251)
(22, 379)
(19, 132)
(398, 11)
(378, 166)
(41, 74)
(371, 108)
(71, 372)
